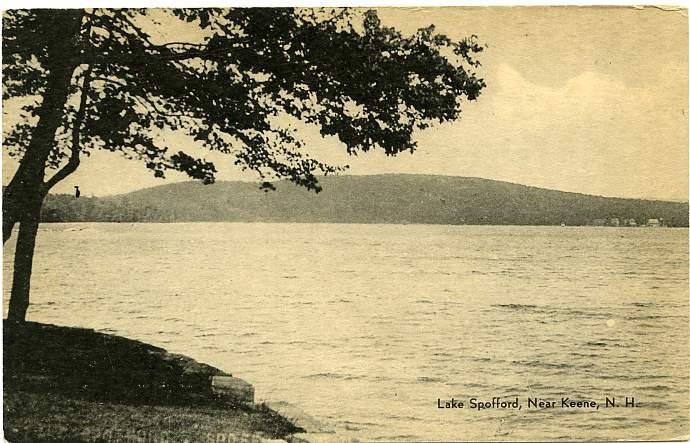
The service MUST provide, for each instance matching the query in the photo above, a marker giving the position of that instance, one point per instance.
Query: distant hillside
(364, 199)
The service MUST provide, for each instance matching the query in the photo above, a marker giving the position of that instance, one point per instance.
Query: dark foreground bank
(77, 385)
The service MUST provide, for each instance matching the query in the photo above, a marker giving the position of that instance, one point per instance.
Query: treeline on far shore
(368, 199)
(62, 208)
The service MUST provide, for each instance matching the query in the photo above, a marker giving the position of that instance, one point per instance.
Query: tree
(97, 79)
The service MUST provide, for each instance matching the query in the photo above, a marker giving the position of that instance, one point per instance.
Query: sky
(582, 99)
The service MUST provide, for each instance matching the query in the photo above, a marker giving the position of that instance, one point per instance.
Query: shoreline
(73, 384)
(268, 222)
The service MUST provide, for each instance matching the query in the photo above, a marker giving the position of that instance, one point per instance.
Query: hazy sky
(583, 99)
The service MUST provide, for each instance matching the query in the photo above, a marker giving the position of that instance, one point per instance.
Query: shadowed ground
(72, 385)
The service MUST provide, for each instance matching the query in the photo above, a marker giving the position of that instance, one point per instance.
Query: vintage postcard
(391, 224)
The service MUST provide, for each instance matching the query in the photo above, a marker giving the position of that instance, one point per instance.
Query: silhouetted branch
(73, 162)
(147, 58)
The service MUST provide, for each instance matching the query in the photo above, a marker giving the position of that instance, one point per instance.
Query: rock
(233, 387)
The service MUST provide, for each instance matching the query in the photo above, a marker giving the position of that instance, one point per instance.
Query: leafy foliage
(233, 89)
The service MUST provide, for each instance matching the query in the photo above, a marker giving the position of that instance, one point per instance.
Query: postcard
(329, 224)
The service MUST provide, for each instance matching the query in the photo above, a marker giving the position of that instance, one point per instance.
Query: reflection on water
(364, 327)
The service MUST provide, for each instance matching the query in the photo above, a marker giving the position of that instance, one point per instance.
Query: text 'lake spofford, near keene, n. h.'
(534, 403)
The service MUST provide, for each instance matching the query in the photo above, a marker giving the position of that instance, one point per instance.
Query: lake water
(364, 327)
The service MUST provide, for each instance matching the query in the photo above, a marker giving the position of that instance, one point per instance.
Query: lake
(365, 327)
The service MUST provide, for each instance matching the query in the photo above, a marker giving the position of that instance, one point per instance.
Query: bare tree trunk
(8, 222)
(11, 204)
(28, 214)
(23, 263)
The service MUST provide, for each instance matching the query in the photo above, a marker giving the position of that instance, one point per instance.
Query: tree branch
(147, 102)
(110, 80)
(183, 44)
(73, 162)
(142, 35)
(148, 58)
(144, 101)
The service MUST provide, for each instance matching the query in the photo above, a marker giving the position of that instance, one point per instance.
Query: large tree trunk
(63, 46)
(23, 262)
(23, 197)
(27, 183)
(29, 217)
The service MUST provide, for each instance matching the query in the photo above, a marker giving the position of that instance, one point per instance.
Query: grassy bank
(76, 385)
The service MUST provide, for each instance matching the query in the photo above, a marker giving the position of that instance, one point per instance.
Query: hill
(391, 198)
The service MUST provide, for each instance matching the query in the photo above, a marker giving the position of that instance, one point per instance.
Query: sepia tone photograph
(345, 224)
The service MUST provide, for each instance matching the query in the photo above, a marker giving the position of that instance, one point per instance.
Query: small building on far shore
(654, 223)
